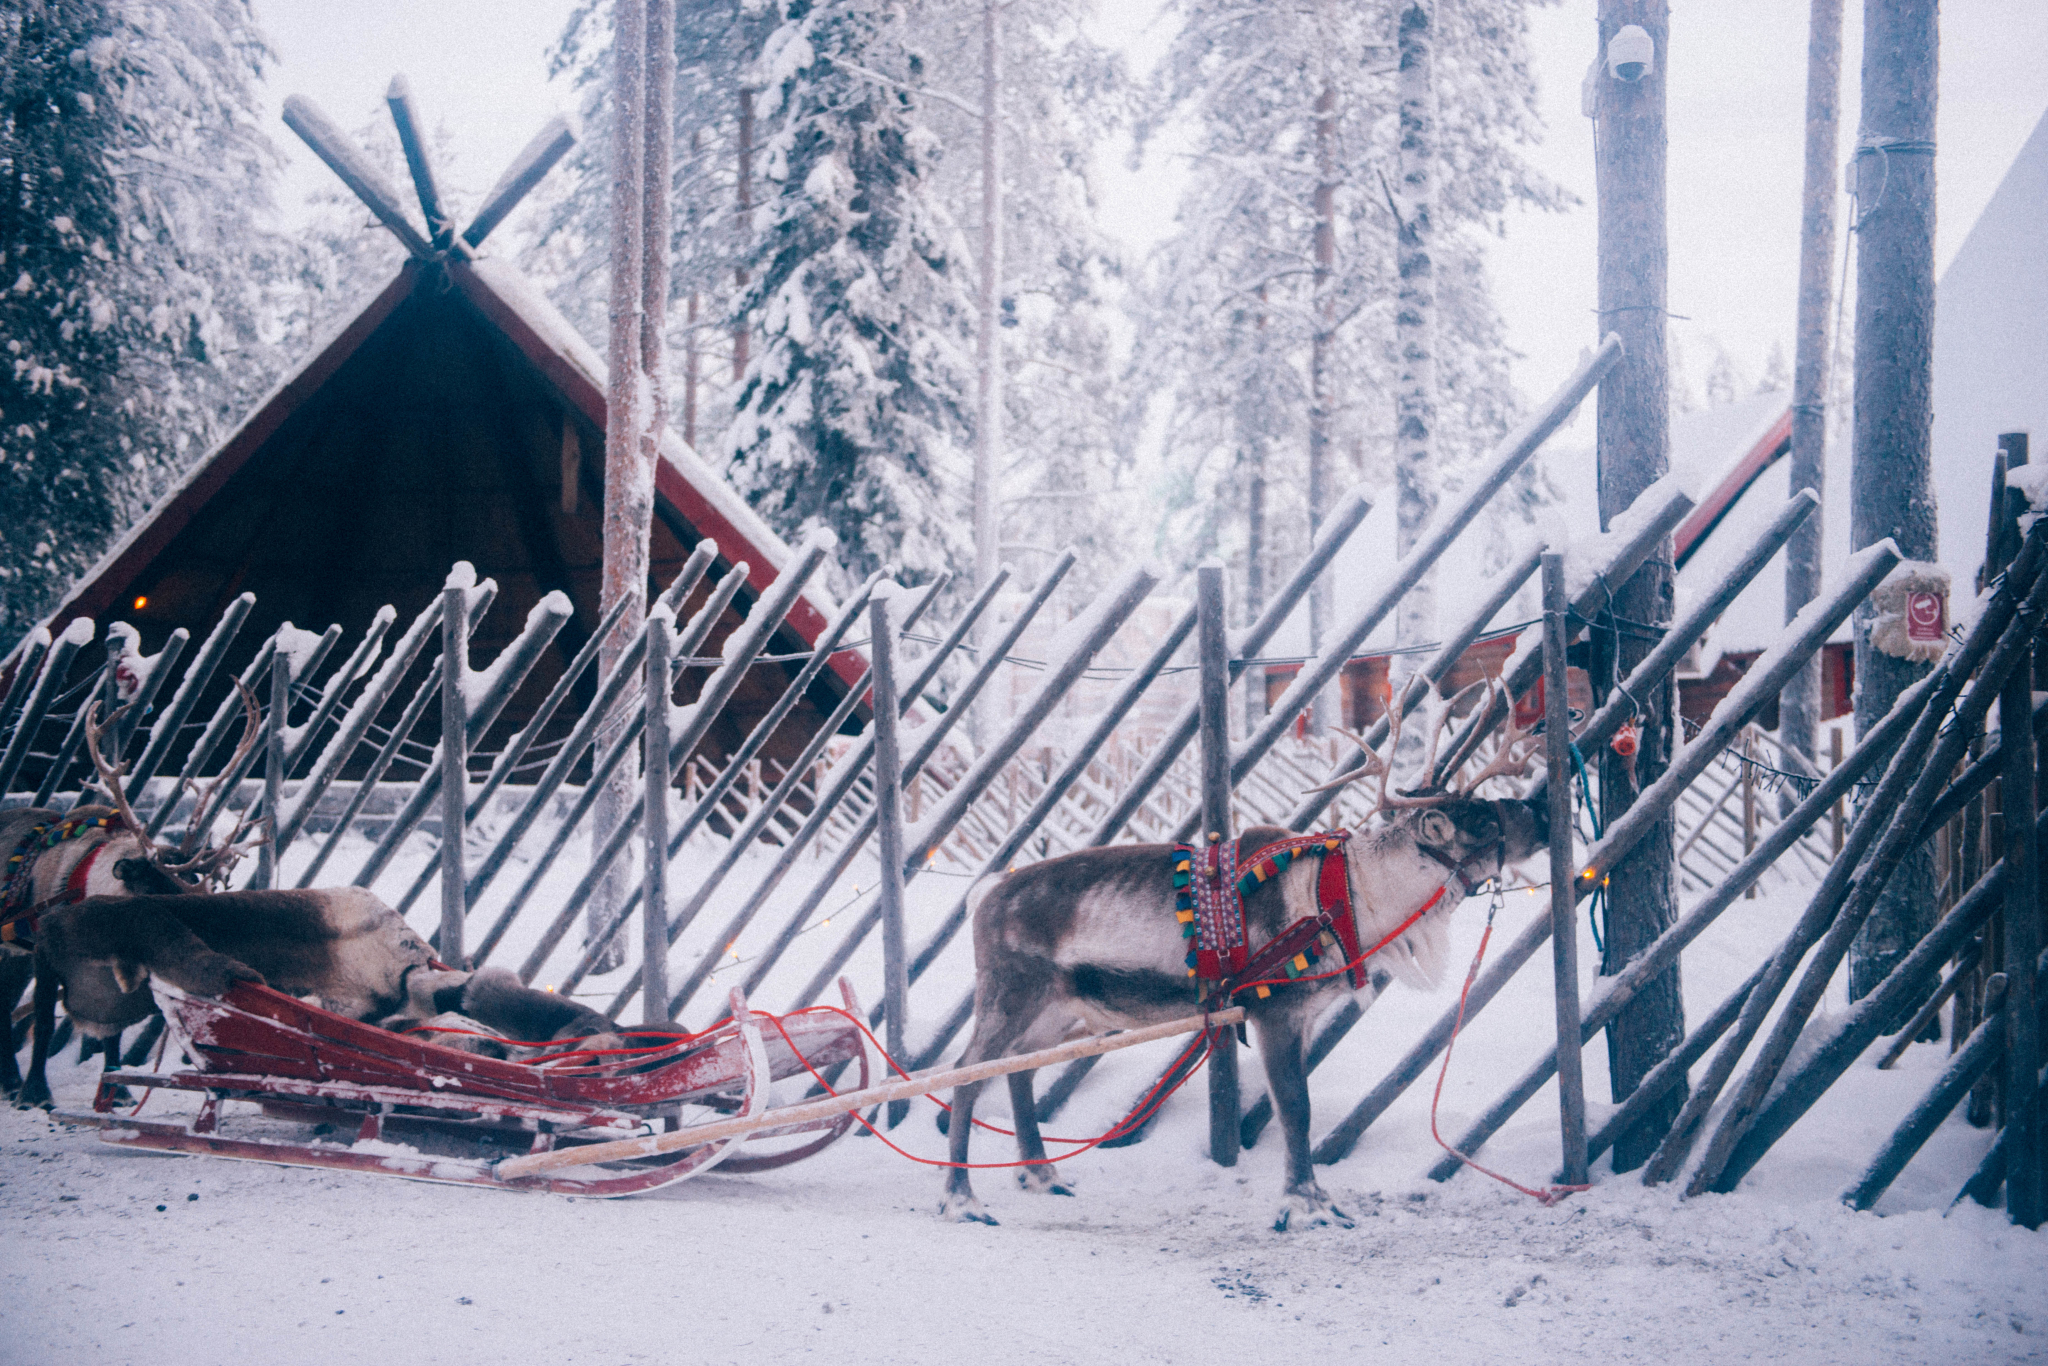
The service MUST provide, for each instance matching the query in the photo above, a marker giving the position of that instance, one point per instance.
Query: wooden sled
(392, 1105)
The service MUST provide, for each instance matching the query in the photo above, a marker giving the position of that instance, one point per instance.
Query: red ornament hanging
(1624, 741)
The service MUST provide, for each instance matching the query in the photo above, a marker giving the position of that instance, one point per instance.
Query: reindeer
(341, 947)
(1090, 941)
(57, 858)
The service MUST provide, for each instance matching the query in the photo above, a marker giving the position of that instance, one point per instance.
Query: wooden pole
(2018, 797)
(1891, 488)
(1564, 936)
(654, 767)
(1748, 762)
(1799, 706)
(273, 767)
(889, 841)
(454, 768)
(1634, 451)
(1213, 651)
(900, 1090)
(1835, 816)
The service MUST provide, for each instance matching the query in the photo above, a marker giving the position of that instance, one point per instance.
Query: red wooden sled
(392, 1105)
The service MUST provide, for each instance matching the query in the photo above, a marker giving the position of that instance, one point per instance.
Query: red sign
(1926, 617)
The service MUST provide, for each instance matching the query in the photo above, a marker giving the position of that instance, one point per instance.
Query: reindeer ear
(1436, 828)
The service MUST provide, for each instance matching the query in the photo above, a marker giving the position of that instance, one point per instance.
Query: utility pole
(1634, 443)
(1891, 491)
(1799, 706)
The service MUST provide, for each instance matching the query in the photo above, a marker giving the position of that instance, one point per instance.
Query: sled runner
(301, 1086)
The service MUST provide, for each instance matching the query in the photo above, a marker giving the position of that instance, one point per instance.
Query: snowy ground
(117, 1256)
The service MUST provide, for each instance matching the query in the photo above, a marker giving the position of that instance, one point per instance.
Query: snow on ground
(120, 1256)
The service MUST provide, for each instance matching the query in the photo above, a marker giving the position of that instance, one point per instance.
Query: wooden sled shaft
(513, 1168)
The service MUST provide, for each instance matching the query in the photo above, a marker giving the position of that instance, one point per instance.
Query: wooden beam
(534, 161)
(901, 1089)
(398, 98)
(342, 156)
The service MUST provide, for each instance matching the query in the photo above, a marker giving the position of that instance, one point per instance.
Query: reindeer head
(194, 865)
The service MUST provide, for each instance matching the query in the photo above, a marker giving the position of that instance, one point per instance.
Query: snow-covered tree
(134, 140)
(853, 411)
(1270, 342)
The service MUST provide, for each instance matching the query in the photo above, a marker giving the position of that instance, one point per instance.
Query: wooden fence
(746, 861)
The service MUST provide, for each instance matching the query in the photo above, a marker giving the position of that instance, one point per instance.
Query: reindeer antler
(110, 774)
(1511, 760)
(212, 862)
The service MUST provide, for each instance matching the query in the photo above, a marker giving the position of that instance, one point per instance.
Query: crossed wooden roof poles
(442, 239)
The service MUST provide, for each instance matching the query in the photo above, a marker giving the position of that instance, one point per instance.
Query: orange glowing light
(141, 603)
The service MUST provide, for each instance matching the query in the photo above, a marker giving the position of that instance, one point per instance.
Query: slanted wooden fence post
(1214, 715)
(654, 767)
(889, 834)
(454, 768)
(1564, 938)
(267, 870)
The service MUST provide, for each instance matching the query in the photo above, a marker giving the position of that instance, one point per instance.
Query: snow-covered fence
(356, 771)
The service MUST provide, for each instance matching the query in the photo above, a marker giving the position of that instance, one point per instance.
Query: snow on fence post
(799, 771)
(889, 842)
(164, 733)
(454, 767)
(56, 667)
(1213, 700)
(654, 769)
(1842, 903)
(1564, 936)
(267, 870)
(33, 648)
(2019, 796)
(1804, 636)
(1615, 991)
(581, 736)
(100, 690)
(156, 673)
(1330, 538)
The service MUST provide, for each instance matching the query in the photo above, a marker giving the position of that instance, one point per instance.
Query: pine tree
(160, 301)
(59, 230)
(853, 412)
(1231, 314)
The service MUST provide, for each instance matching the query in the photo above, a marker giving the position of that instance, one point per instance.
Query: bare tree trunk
(690, 373)
(988, 424)
(1323, 712)
(1799, 706)
(1415, 475)
(1634, 451)
(628, 480)
(746, 228)
(1891, 491)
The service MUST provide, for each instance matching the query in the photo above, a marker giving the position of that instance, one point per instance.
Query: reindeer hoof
(1043, 1181)
(34, 1095)
(964, 1209)
(1309, 1209)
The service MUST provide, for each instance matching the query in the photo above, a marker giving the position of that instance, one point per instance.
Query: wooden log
(56, 668)
(333, 146)
(454, 769)
(273, 767)
(527, 170)
(2002, 637)
(903, 1088)
(1564, 930)
(889, 837)
(412, 140)
(1667, 1073)
(1965, 968)
(1977, 1056)
(1213, 701)
(584, 734)
(654, 785)
(1736, 710)
(1110, 611)
(2026, 1203)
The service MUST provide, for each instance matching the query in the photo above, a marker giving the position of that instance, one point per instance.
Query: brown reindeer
(342, 948)
(1090, 941)
(55, 858)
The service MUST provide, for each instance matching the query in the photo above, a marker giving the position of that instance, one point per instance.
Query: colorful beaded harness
(17, 916)
(1209, 903)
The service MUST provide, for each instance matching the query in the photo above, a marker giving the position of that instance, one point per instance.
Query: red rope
(1548, 1196)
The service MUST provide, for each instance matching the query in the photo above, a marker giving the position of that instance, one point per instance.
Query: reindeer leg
(1041, 1176)
(17, 970)
(1283, 1048)
(960, 1204)
(36, 1089)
